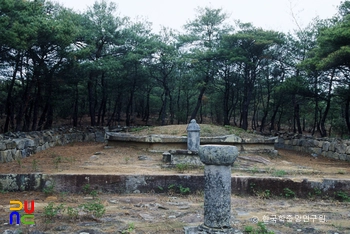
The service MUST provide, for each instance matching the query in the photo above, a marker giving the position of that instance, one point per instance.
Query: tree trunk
(91, 99)
(328, 105)
(76, 108)
(297, 124)
(49, 118)
(226, 104)
(9, 102)
(347, 113)
(147, 107)
(199, 102)
(36, 106)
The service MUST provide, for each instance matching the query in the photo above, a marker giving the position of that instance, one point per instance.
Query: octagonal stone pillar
(218, 160)
(193, 136)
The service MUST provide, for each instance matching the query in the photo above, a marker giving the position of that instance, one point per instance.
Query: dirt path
(96, 158)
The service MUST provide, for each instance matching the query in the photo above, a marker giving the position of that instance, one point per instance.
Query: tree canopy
(57, 64)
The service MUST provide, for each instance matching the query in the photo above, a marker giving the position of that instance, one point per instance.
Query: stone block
(25, 153)
(342, 157)
(7, 155)
(99, 137)
(218, 154)
(10, 144)
(20, 143)
(332, 146)
(348, 149)
(166, 157)
(325, 146)
(31, 142)
(316, 143)
(340, 148)
(316, 150)
(320, 144)
(2, 145)
(38, 149)
(295, 142)
(348, 157)
(17, 155)
(334, 155)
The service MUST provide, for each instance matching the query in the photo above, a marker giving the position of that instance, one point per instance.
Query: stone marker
(193, 136)
(218, 160)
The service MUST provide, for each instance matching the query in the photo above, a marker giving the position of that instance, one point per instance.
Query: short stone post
(218, 160)
(193, 136)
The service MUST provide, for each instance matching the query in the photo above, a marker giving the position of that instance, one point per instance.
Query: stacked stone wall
(327, 147)
(14, 146)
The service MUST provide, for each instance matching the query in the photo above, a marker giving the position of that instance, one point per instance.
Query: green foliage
(86, 188)
(72, 213)
(51, 212)
(342, 196)
(254, 170)
(260, 229)
(35, 166)
(50, 189)
(129, 229)
(288, 193)
(75, 60)
(94, 193)
(126, 159)
(266, 194)
(173, 188)
(57, 160)
(19, 162)
(279, 173)
(182, 167)
(184, 190)
(95, 208)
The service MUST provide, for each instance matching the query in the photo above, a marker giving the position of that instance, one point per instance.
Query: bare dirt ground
(169, 213)
(94, 158)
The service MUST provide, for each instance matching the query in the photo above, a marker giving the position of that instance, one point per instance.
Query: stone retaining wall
(14, 146)
(327, 147)
(128, 184)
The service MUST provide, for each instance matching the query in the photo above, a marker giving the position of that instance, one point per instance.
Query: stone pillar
(193, 136)
(218, 160)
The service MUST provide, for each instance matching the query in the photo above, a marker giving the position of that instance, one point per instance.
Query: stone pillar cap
(193, 126)
(218, 154)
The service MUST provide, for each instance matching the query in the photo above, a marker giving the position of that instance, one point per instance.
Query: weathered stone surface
(325, 146)
(342, 157)
(10, 144)
(217, 190)
(340, 148)
(193, 136)
(332, 146)
(166, 157)
(218, 154)
(186, 159)
(6, 155)
(132, 182)
(16, 145)
(316, 150)
(217, 196)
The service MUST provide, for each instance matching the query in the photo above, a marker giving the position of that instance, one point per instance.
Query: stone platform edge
(131, 184)
(154, 138)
